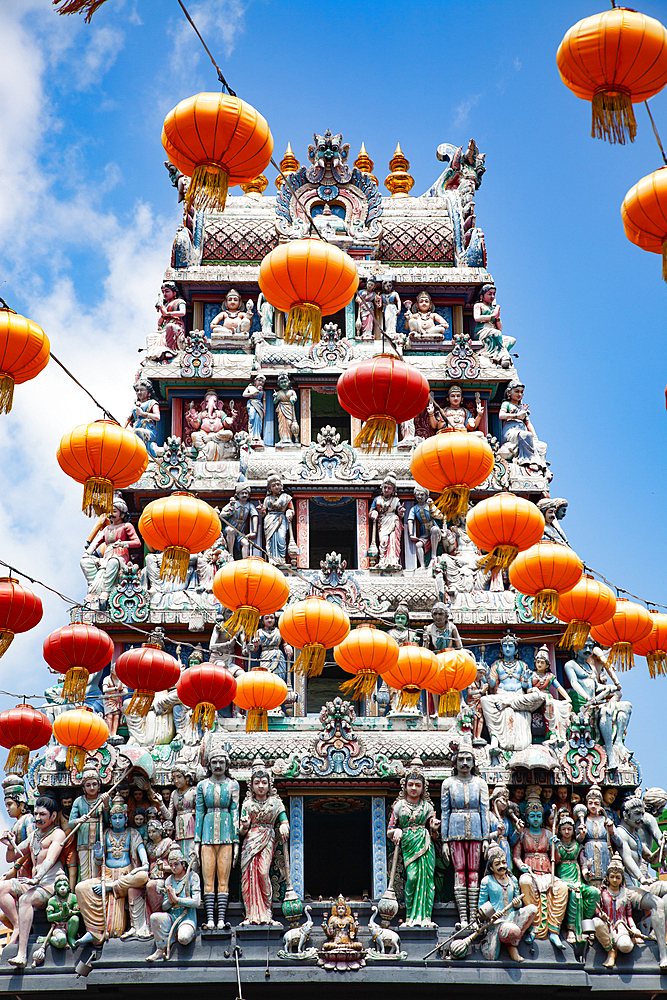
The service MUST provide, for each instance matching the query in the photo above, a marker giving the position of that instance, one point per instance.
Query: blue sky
(87, 216)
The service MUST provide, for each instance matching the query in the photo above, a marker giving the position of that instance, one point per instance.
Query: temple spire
(399, 182)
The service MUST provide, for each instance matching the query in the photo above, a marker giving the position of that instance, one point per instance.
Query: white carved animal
(386, 941)
(296, 938)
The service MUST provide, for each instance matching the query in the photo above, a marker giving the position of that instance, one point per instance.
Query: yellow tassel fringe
(208, 188)
(78, 7)
(378, 434)
(449, 704)
(409, 697)
(499, 558)
(6, 638)
(6, 392)
(657, 663)
(575, 635)
(245, 618)
(204, 715)
(362, 684)
(76, 682)
(453, 502)
(310, 661)
(97, 496)
(175, 562)
(621, 656)
(257, 721)
(304, 323)
(17, 761)
(613, 117)
(545, 602)
(140, 703)
(76, 757)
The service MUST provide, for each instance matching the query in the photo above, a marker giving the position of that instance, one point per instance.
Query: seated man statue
(180, 902)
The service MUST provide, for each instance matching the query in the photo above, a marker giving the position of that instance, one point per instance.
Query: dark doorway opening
(333, 528)
(337, 847)
(326, 410)
(326, 687)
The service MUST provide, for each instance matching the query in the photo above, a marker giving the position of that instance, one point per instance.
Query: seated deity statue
(424, 323)
(500, 888)
(597, 688)
(532, 857)
(615, 927)
(520, 443)
(211, 427)
(557, 705)
(233, 320)
(425, 524)
(168, 341)
(180, 900)
(454, 416)
(108, 553)
(512, 699)
(488, 329)
(341, 929)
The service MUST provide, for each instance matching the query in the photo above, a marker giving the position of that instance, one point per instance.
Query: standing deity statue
(256, 407)
(500, 888)
(102, 567)
(181, 898)
(455, 416)
(583, 897)
(113, 692)
(403, 635)
(424, 323)
(91, 802)
(488, 328)
(145, 416)
(217, 832)
(232, 320)
(512, 700)
(412, 828)
(465, 827)
(158, 846)
(594, 830)
(614, 924)
(391, 307)
(554, 510)
(171, 325)
(182, 806)
(284, 398)
(224, 646)
(539, 885)
(369, 301)
(597, 688)
(520, 443)
(262, 811)
(274, 652)
(504, 822)
(265, 310)
(442, 633)
(243, 526)
(277, 509)
(386, 517)
(425, 524)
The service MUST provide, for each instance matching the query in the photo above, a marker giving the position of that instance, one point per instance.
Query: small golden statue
(341, 951)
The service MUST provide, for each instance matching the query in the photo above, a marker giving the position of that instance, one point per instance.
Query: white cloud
(219, 23)
(99, 55)
(462, 111)
(517, 63)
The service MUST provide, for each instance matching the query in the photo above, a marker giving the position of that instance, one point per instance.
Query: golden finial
(288, 165)
(257, 185)
(364, 163)
(399, 182)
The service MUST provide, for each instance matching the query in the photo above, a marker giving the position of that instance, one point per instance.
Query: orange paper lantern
(20, 610)
(367, 653)
(452, 464)
(22, 729)
(313, 626)
(654, 645)
(82, 732)
(644, 214)
(258, 692)
(614, 59)
(249, 588)
(629, 624)
(457, 669)
(503, 526)
(544, 571)
(24, 353)
(588, 603)
(178, 525)
(104, 457)
(307, 279)
(415, 669)
(216, 140)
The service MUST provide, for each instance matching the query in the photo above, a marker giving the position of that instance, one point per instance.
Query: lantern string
(208, 51)
(655, 133)
(99, 405)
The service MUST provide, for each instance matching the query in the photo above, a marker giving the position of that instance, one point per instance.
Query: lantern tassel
(378, 434)
(362, 684)
(545, 602)
(204, 715)
(613, 117)
(621, 656)
(78, 7)
(246, 618)
(449, 704)
(76, 757)
(6, 637)
(257, 721)
(453, 502)
(175, 562)
(408, 698)
(304, 323)
(6, 392)
(208, 188)
(499, 558)
(97, 496)
(76, 682)
(575, 635)
(140, 703)
(657, 663)
(310, 661)
(17, 761)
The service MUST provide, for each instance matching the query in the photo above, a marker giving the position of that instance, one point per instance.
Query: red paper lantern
(20, 610)
(77, 651)
(384, 392)
(147, 669)
(207, 688)
(22, 729)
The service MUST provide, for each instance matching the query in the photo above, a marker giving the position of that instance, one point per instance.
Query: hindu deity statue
(233, 320)
(145, 415)
(113, 692)
(488, 328)
(171, 325)
(557, 705)
(520, 443)
(386, 517)
(265, 310)
(182, 805)
(181, 898)
(273, 651)
(223, 647)
(391, 307)
(583, 897)
(455, 416)
(425, 523)
(442, 633)
(504, 821)
(596, 685)
(341, 950)
(16, 806)
(277, 509)
(465, 827)
(594, 830)
(614, 924)
(500, 888)
(91, 802)
(262, 811)
(243, 522)
(655, 800)
(256, 407)
(511, 700)
(211, 427)
(102, 567)
(123, 855)
(63, 914)
(531, 855)
(404, 636)
(284, 398)
(216, 831)
(412, 828)
(369, 301)
(158, 846)
(554, 510)
(475, 692)
(20, 896)
(424, 323)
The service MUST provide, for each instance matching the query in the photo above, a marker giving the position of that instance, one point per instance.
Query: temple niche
(360, 830)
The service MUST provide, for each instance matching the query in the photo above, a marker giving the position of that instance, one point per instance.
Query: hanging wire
(208, 51)
(99, 405)
(655, 133)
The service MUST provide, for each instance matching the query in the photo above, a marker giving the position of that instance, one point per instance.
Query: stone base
(240, 342)
(288, 446)
(260, 932)
(214, 933)
(418, 933)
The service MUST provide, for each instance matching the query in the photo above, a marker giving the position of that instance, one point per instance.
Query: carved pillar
(379, 834)
(269, 419)
(296, 844)
(457, 320)
(177, 417)
(279, 324)
(362, 533)
(305, 415)
(197, 315)
(349, 320)
(302, 534)
(299, 685)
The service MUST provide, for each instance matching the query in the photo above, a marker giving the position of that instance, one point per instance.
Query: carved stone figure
(597, 686)
(424, 323)
(554, 510)
(256, 406)
(62, 913)
(369, 301)
(265, 310)
(181, 899)
(277, 510)
(425, 524)
(391, 307)
(512, 700)
(500, 888)
(442, 633)
(295, 940)
(182, 806)
(90, 802)
(583, 898)
(166, 344)
(557, 705)
(273, 651)
(385, 940)
(594, 829)
(23, 824)
(233, 320)
(547, 892)
(465, 828)
(212, 428)
(341, 950)
(614, 924)
(145, 415)
(412, 827)
(488, 328)
(223, 647)
(158, 846)
(455, 416)
(504, 822)
(217, 832)
(261, 812)
(244, 521)
(284, 398)
(520, 443)
(386, 517)
(102, 568)
(113, 692)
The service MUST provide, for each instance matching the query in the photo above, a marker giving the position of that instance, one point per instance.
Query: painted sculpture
(262, 811)
(465, 827)
(216, 839)
(413, 826)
